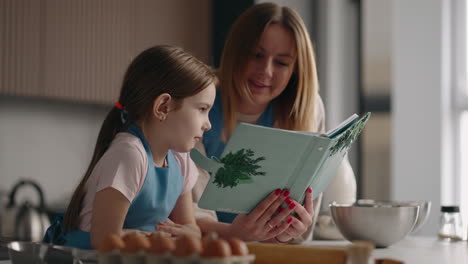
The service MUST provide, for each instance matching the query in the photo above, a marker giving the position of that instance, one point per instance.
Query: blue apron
(214, 146)
(153, 203)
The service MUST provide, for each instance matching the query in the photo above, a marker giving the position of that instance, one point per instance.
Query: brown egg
(187, 246)
(135, 243)
(208, 238)
(110, 243)
(238, 247)
(161, 244)
(217, 249)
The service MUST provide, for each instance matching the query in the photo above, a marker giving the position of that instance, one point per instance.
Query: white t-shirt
(123, 167)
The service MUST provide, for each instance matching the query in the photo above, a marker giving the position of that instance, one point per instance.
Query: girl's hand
(260, 224)
(301, 223)
(177, 230)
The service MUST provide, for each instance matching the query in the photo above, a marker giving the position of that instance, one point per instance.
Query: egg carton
(117, 257)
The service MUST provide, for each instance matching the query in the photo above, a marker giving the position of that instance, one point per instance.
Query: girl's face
(188, 123)
(269, 68)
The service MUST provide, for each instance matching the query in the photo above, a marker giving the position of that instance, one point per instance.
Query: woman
(267, 77)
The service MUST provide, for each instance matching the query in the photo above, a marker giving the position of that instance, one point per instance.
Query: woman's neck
(248, 108)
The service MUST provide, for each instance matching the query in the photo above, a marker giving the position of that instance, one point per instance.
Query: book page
(342, 126)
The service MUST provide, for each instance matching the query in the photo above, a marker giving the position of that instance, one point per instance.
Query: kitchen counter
(411, 250)
(416, 249)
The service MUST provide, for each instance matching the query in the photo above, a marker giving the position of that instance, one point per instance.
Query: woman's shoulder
(216, 115)
(218, 103)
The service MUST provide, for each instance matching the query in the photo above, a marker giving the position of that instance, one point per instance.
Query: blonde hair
(294, 107)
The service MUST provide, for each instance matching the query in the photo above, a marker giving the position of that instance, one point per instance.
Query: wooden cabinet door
(20, 45)
(87, 46)
(79, 49)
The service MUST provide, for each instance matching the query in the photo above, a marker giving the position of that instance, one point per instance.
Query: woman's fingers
(304, 216)
(276, 197)
(272, 209)
(283, 213)
(308, 202)
(282, 227)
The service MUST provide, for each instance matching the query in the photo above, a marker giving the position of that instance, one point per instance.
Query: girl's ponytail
(110, 127)
(157, 70)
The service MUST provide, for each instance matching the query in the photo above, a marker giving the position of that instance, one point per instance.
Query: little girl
(137, 178)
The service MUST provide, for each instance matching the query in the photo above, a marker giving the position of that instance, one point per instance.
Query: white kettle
(24, 222)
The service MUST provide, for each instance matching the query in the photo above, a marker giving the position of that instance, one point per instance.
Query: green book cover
(258, 160)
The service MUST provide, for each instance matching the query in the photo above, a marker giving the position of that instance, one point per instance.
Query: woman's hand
(301, 223)
(261, 224)
(177, 230)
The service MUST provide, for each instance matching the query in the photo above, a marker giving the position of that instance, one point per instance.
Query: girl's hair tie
(118, 105)
(123, 113)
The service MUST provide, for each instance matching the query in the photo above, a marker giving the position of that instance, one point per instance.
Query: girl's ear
(162, 106)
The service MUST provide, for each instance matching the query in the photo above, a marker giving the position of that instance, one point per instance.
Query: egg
(110, 243)
(161, 244)
(238, 247)
(217, 249)
(208, 238)
(135, 243)
(187, 246)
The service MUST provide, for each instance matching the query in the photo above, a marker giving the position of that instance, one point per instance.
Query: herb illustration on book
(258, 160)
(239, 168)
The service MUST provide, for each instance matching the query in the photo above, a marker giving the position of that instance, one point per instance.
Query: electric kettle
(24, 222)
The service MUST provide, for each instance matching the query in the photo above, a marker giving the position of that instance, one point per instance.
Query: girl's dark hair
(157, 70)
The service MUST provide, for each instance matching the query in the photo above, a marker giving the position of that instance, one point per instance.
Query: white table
(417, 249)
(411, 250)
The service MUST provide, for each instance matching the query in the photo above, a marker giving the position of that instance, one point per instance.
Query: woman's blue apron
(153, 203)
(214, 146)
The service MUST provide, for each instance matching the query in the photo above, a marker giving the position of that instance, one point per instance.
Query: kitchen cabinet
(79, 50)
(20, 53)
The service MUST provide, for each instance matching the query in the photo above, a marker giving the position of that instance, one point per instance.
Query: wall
(48, 141)
(419, 82)
(376, 83)
(51, 141)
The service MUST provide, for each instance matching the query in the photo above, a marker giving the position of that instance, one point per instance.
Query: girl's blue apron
(214, 146)
(153, 203)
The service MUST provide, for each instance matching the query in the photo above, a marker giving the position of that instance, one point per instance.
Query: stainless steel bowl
(424, 209)
(383, 224)
(21, 252)
(27, 252)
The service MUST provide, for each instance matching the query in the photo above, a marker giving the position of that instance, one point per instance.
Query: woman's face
(269, 68)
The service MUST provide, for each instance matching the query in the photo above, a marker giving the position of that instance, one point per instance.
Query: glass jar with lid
(451, 226)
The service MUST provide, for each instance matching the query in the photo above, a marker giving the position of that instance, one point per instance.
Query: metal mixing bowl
(424, 209)
(382, 224)
(22, 252)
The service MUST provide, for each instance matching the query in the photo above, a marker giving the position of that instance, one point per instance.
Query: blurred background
(62, 61)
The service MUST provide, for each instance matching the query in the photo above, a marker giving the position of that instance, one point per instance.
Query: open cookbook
(257, 160)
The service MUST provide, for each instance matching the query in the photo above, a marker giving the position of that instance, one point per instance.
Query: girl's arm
(109, 210)
(182, 217)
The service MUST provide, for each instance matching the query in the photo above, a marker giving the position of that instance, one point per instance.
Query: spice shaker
(451, 227)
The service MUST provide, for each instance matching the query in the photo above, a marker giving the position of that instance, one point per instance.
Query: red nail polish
(286, 193)
(292, 205)
(288, 200)
(279, 209)
(309, 190)
(277, 192)
(289, 220)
